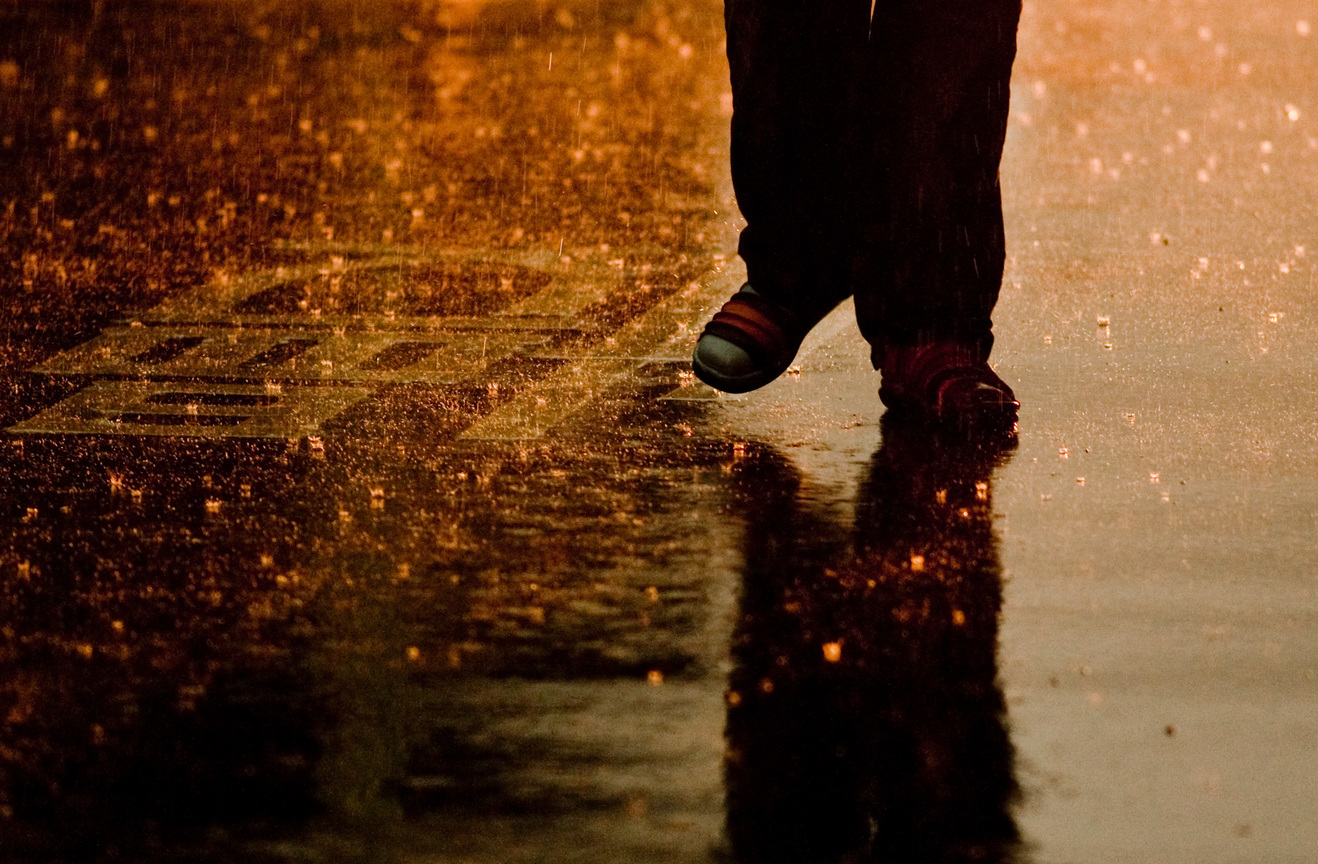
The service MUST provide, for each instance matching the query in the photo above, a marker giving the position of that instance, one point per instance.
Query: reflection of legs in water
(865, 720)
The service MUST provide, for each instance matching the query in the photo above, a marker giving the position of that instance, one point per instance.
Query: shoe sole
(737, 384)
(1001, 420)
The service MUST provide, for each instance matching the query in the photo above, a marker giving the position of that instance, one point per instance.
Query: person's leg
(931, 253)
(796, 150)
(795, 146)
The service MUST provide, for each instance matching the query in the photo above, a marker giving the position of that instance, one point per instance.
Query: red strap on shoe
(946, 380)
(764, 330)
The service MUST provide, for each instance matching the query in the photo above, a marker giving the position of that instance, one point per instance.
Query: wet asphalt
(358, 504)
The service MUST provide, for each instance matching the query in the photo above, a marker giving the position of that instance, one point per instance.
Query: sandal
(949, 384)
(748, 343)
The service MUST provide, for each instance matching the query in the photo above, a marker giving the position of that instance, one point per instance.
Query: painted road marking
(211, 410)
(205, 362)
(664, 334)
(294, 356)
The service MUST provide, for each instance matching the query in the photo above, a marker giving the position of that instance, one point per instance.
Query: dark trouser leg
(795, 143)
(931, 251)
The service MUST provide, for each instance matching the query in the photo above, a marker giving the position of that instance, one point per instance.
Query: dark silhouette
(865, 719)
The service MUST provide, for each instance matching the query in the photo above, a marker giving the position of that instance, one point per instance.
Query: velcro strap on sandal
(764, 330)
(935, 374)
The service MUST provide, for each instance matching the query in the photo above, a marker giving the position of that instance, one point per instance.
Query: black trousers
(865, 158)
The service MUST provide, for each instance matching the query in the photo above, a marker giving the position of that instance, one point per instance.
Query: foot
(748, 343)
(951, 385)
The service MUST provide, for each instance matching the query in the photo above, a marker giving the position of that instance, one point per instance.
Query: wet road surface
(358, 505)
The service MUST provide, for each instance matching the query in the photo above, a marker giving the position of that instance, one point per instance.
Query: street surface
(357, 503)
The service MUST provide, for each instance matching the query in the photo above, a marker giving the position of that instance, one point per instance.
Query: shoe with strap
(749, 342)
(949, 384)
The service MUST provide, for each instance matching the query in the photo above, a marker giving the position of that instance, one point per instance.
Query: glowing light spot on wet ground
(654, 677)
(832, 651)
(917, 563)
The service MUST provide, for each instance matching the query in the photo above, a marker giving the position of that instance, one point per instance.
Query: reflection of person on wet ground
(865, 719)
(866, 141)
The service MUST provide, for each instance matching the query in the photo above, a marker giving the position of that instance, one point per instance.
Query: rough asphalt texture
(357, 507)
